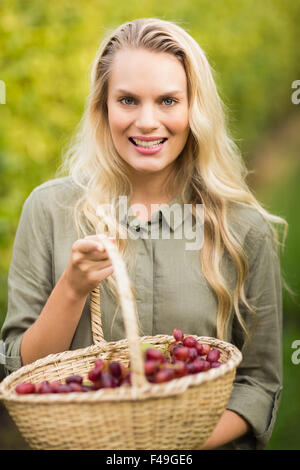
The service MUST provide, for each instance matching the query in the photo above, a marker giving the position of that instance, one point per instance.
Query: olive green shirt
(171, 291)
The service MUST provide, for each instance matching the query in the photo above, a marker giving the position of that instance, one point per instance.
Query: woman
(154, 131)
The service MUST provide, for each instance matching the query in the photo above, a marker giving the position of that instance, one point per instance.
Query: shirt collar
(172, 214)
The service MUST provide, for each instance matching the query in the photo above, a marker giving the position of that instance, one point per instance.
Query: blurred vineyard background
(46, 49)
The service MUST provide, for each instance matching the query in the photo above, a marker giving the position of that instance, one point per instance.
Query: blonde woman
(154, 132)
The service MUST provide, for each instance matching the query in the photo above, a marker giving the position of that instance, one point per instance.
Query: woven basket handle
(96, 320)
(128, 311)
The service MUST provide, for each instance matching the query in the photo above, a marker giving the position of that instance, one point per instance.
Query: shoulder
(55, 192)
(51, 204)
(63, 186)
(50, 208)
(246, 222)
(254, 233)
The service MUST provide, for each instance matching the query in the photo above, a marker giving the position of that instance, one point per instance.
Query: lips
(147, 141)
(148, 138)
(148, 147)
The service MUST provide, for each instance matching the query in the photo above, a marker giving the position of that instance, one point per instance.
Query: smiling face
(147, 102)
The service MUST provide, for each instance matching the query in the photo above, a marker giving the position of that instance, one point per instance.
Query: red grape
(94, 375)
(199, 348)
(150, 367)
(180, 369)
(164, 375)
(206, 366)
(213, 355)
(116, 369)
(190, 368)
(197, 365)
(181, 353)
(44, 387)
(192, 354)
(171, 372)
(74, 379)
(38, 386)
(150, 378)
(190, 342)
(127, 378)
(25, 388)
(96, 385)
(63, 389)
(107, 380)
(171, 347)
(118, 381)
(205, 348)
(154, 354)
(99, 364)
(178, 335)
(215, 364)
(54, 385)
(178, 345)
(75, 387)
(200, 365)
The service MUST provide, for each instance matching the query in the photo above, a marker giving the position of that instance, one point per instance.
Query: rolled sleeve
(11, 354)
(29, 279)
(258, 384)
(260, 411)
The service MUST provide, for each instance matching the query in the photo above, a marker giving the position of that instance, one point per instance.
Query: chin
(149, 168)
(146, 167)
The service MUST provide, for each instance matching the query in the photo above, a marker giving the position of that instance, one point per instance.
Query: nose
(147, 118)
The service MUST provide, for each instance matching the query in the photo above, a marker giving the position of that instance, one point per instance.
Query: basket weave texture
(180, 414)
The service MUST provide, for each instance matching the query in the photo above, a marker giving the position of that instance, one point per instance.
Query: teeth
(149, 145)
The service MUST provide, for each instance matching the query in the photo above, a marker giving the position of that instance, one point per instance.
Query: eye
(126, 98)
(168, 101)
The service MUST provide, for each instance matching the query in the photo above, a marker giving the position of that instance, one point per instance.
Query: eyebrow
(168, 93)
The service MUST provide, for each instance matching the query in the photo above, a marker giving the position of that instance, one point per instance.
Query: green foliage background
(46, 50)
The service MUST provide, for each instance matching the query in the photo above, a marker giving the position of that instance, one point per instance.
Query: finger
(95, 266)
(88, 246)
(104, 264)
(106, 272)
(97, 255)
(99, 276)
(98, 238)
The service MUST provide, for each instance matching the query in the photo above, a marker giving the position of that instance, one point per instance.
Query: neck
(152, 188)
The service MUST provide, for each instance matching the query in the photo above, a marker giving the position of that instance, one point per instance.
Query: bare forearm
(231, 426)
(53, 330)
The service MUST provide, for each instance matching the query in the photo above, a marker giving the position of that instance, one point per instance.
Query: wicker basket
(180, 414)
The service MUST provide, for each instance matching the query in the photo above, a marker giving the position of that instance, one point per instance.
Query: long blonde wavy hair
(211, 170)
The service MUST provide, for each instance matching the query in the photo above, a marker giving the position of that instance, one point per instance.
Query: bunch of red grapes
(184, 356)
